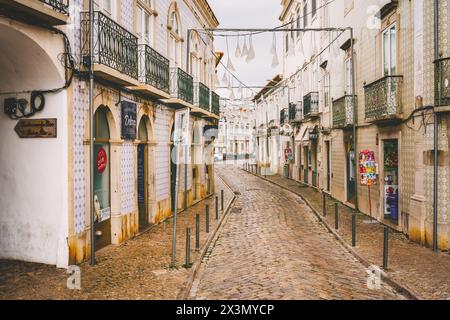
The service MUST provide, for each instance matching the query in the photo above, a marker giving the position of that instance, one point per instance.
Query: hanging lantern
(244, 52)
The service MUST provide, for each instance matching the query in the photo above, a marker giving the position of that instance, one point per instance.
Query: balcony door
(144, 25)
(389, 56)
(108, 7)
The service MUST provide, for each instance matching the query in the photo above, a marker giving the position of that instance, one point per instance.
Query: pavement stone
(276, 248)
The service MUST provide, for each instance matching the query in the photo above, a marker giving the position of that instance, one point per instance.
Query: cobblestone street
(273, 247)
(137, 269)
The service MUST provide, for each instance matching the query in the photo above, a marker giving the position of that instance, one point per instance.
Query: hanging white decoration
(241, 91)
(314, 47)
(230, 65)
(238, 52)
(232, 97)
(225, 79)
(244, 52)
(251, 51)
(274, 44)
(216, 79)
(275, 61)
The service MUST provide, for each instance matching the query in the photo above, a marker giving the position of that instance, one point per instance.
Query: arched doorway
(142, 173)
(102, 179)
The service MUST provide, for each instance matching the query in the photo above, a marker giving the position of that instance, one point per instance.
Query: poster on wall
(367, 168)
(128, 117)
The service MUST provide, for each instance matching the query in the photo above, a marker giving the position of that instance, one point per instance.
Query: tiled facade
(117, 24)
(313, 62)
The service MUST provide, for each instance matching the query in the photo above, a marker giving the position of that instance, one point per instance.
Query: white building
(144, 71)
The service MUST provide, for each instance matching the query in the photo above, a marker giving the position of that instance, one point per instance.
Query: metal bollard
(217, 207)
(207, 218)
(324, 204)
(197, 232)
(188, 248)
(385, 248)
(221, 199)
(336, 216)
(353, 229)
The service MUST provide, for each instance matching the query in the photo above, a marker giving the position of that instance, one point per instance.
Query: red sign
(102, 160)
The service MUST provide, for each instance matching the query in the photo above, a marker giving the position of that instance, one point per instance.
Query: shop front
(102, 178)
(390, 180)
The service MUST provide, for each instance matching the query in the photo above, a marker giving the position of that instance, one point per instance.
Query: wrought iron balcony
(153, 68)
(46, 12)
(181, 85)
(215, 103)
(61, 6)
(114, 46)
(295, 111)
(442, 82)
(383, 99)
(343, 111)
(201, 96)
(311, 104)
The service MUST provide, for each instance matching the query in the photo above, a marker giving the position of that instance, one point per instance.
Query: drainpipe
(186, 148)
(91, 128)
(436, 132)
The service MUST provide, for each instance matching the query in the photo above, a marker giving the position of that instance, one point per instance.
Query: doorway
(173, 172)
(328, 163)
(390, 179)
(142, 174)
(102, 178)
(350, 171)
(306, 154)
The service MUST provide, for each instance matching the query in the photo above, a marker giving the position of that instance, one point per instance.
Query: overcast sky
(249, 14)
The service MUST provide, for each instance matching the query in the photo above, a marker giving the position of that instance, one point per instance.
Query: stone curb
(183, 294)
(403, 289)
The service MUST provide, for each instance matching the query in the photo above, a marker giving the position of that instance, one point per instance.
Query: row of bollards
(188, 263)
(353, 230)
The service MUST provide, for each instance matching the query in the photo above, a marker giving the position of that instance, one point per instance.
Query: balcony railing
(383, 99)
(181, 85)
(215, 103)
(61, 6)
(442, 81)
(153, 68)
(343, 111)
(295, 111)
(114, 46)
(201, 96)
(311, 104)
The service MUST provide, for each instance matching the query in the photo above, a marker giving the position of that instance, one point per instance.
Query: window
(174, 39)
(143, 25)
(326, 91)
(389, 45)
(305, 15)
(286, 41)
(105, 6)
(313, 8)
(348, 77)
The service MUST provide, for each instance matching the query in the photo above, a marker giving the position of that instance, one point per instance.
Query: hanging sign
(129, 121)
(367, 168)
(181, 131)
(36, 128)
(102, 160)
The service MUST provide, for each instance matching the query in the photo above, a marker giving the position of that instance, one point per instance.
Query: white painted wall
(34, 190)
(33, 172)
